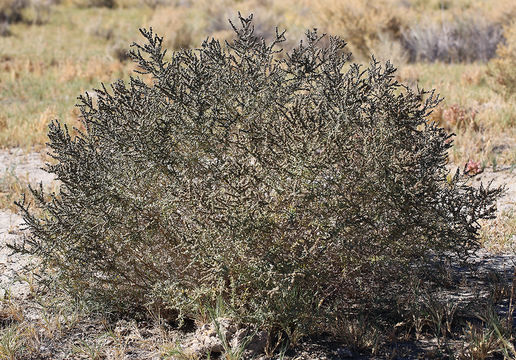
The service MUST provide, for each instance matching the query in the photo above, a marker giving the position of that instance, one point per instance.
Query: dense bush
(463, 40)
(297, 191)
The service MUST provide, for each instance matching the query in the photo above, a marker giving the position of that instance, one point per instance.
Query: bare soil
(25, 166)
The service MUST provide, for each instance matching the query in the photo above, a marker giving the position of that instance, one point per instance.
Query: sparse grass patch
(483, 121)
(493, 337)
(12, 342)
(11, 188)
(31, 104)
(52, 324)
(38, 76)
(499, 235)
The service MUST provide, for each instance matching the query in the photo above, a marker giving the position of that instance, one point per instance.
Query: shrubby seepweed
(297, 189)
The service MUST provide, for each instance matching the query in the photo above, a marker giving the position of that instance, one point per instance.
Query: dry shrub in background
(158, 3)
(462, 40)
(185, 25)
(391, 29)
(95, 3)
(502, 70)
(422, 30)
(39, 11)
(30, 11)
(12, 10)
(298, 191)
(364, 25)
(455, 117)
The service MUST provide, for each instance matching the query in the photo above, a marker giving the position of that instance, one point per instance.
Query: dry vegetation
(51, 51)
(44, 64)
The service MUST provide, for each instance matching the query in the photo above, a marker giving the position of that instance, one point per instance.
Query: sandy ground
(505, 176)
(28, 166)
(25, 166)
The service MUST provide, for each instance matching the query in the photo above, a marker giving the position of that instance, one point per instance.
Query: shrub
(110, 4)
(30, 11)
(296, 190)
(12, 10)
(456, 117)
(464, 40)
(365, 25)
(39, 11)
(156, 3)
(502, 69)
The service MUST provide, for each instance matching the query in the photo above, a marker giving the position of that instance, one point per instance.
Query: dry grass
(53, 325)
(45, 326)
(13, 186)
(11, 189)
(43, 68)
(483, 120)
(502, 70)
(499, 235)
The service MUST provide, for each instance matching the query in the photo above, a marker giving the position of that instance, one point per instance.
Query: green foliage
(298, 189)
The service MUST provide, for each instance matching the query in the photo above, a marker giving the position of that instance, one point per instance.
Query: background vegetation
(52, 50)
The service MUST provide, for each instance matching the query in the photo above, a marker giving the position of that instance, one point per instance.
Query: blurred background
(51, 51)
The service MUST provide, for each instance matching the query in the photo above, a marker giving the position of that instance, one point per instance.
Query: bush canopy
(298, 188)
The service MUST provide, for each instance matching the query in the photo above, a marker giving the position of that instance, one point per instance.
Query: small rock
(208, 340)
(256, 345)
(212, 345)
(344, 353)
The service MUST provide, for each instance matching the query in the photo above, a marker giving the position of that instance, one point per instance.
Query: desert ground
(52, 51)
